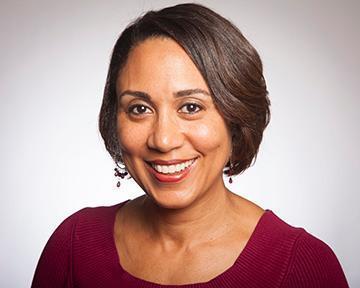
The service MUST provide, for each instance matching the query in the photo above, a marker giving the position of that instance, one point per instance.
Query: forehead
(159, 63)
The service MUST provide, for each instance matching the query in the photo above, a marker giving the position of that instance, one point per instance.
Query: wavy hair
(229, 64)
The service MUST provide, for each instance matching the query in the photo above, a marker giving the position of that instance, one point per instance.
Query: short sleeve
(314, 264)
(54, 266)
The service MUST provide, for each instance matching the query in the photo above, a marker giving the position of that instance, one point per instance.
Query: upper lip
(169, 162)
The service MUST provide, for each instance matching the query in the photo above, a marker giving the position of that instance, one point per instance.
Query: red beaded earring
(230, 172)
(120, 171)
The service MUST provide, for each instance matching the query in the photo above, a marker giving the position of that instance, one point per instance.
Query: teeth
(172, 169)
(169, 169)
(165, 169)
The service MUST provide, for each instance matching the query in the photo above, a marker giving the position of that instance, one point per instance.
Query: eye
(191, 108)
(138, 109)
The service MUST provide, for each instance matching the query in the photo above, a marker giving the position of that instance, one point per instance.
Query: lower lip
(172, 178)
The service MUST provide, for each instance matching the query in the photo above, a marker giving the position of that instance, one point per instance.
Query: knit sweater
(82, 253)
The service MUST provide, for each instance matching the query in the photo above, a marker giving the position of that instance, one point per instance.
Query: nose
(166, 133)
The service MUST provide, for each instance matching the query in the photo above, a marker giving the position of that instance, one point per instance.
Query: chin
(173, 200)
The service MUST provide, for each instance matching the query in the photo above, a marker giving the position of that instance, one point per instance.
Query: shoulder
(85, 224)
(90, 216)
(54, 266)
(314, 264)
(83, 217)
(310, 262)
(275, 237)
(294, 257)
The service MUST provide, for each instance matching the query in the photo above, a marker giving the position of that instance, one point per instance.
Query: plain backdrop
(53, 64)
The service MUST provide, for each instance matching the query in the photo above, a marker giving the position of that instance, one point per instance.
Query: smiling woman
(185, 102)
(177, 122)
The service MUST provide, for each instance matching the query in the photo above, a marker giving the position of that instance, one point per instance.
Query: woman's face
(166, 113)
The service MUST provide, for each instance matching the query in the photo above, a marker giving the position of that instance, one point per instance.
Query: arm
(314, 264)
(54, 266)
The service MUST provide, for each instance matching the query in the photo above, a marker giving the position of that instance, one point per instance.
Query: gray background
(54, 57)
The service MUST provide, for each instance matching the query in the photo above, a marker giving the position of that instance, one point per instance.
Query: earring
(120, 172)
(230, 172)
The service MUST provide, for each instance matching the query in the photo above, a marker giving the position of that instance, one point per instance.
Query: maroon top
(82, 253)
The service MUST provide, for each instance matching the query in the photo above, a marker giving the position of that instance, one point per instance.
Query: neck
(203, 220)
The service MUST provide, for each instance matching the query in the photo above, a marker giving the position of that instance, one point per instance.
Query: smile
(172, 169)
(173, 172)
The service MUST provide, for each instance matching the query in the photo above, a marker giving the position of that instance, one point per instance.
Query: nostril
(165, 137)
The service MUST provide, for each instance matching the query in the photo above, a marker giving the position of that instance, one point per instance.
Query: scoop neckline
(216, 280)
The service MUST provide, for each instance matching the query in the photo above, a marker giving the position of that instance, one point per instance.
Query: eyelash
(194, 104)
(132, 107)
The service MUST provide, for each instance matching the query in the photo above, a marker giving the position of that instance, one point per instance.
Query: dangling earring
(230, 172)
(120, 172)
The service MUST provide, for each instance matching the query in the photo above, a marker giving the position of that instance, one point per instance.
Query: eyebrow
(181, 93)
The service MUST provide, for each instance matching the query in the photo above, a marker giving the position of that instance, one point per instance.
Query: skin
(171, 234)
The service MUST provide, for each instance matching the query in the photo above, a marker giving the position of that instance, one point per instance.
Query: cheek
(131, 137)
(210, 136)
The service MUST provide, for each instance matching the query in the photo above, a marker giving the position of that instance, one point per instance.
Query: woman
(185, 101)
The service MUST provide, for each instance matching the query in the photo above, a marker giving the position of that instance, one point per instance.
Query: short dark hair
(229, 64)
